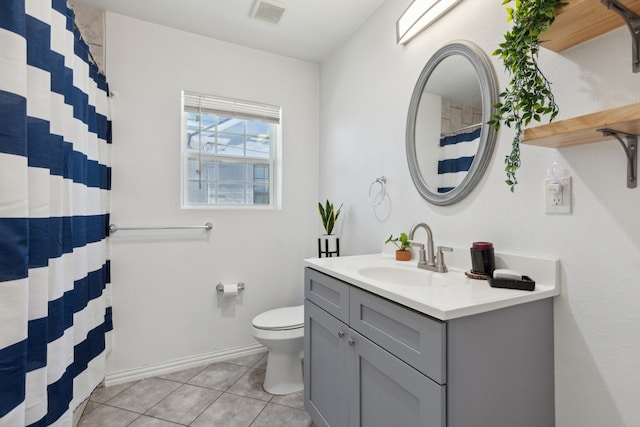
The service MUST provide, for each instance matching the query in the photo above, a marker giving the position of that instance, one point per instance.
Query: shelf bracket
(630, 149)
(633, 22)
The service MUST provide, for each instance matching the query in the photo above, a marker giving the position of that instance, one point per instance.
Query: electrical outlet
(557, 195)
(556, 199)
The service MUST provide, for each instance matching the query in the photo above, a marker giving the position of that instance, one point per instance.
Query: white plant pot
(328, 245)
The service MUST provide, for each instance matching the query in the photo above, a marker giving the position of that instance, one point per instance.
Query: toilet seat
(280, 319)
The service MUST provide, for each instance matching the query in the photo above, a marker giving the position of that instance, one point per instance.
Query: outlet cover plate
(560, 202)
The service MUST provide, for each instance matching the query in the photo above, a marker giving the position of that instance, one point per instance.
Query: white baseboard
(180, 364)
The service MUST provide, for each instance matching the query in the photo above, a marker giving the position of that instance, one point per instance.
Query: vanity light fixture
(419, 15)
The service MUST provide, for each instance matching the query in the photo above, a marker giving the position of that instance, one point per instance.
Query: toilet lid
(280, 318)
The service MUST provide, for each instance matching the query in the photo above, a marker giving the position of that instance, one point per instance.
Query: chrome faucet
(428, 261)
(424, 262)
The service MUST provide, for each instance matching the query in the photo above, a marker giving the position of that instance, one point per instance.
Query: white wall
(365, 91)
(164, 298)
(428, 124)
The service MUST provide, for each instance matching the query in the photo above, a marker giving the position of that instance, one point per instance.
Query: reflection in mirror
(450, 116)
(448, 142)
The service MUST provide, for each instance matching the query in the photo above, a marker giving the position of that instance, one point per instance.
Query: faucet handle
(416, 244)
(422, 257)
(442, 268)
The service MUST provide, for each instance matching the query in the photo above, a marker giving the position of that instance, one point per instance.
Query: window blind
(226, 107)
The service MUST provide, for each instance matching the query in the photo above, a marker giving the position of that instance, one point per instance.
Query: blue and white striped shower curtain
(456, 156)
(55, 175)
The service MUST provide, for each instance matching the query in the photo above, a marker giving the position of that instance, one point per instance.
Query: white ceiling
(309, 29)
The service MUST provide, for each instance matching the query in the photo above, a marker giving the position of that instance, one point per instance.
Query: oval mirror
(449, 144)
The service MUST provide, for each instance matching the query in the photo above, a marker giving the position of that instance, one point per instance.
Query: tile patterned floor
(225, 394)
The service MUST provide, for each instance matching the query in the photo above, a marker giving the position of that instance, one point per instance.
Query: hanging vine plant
(528, 95)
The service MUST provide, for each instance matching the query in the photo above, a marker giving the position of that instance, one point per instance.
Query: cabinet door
(325, 382)
(388, 392)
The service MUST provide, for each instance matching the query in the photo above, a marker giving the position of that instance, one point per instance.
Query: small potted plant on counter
(329, 217)
(403, 244)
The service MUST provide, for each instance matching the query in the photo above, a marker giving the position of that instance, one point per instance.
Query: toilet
(282, 331)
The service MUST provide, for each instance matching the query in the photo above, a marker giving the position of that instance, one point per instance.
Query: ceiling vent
(269, 11)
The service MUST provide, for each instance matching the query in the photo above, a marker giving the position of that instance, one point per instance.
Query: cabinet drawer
(417, 339)
(328, 293)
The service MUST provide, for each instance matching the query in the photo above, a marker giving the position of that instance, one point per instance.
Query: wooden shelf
(583, 129)
(582, 20)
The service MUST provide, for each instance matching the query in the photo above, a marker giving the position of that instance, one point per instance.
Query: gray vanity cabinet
(349, 379)
(370, 362)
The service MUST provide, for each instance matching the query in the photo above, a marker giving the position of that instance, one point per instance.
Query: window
(228, 151)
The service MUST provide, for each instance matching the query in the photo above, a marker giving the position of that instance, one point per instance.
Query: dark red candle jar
(482, 258)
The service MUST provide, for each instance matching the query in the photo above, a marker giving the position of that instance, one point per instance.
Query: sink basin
(403, 276)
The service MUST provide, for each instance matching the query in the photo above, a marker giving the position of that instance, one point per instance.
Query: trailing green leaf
(528, 96)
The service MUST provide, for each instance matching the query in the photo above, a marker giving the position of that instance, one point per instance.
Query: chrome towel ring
(376, 197)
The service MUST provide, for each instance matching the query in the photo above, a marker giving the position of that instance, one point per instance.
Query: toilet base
(284, 373)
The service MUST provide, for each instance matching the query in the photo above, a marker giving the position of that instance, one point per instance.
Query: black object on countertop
(525, 284)
(482, 258)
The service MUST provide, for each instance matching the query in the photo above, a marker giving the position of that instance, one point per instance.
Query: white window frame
(243, 110)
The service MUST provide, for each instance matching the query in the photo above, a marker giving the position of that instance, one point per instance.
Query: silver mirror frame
(489, 90)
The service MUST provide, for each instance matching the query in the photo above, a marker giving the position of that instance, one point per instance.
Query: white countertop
(445, 295)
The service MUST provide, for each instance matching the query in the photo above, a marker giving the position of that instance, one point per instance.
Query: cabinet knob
(351, 341)
(340, 334)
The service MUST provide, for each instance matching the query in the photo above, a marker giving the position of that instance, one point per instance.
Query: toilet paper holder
(220, 287)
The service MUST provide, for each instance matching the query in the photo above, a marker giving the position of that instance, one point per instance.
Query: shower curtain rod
(208, 226)
(452, 132)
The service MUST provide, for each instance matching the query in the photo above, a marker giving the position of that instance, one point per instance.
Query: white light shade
(419, 15)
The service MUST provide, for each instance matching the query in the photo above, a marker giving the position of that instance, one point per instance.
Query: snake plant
(328, 215)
